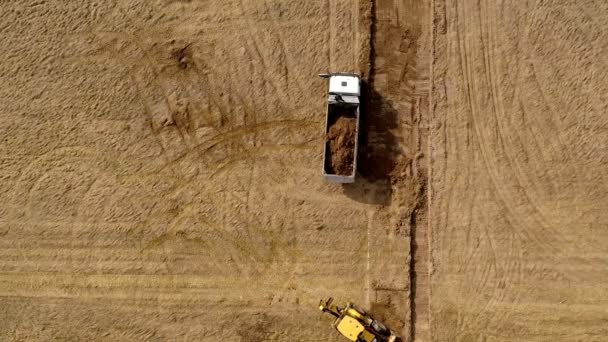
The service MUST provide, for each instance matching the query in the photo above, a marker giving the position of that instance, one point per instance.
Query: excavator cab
(355, 324)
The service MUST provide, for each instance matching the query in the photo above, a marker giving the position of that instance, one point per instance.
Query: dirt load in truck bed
(341, 138)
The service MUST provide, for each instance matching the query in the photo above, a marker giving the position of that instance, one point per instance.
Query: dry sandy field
(160, 169)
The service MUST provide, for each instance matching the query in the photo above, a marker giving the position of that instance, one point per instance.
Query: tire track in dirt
(156, 123)
(494, 271)
(483, 273)
(113, 203)
(498, 250)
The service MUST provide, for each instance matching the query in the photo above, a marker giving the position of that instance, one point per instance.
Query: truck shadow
(378, 149)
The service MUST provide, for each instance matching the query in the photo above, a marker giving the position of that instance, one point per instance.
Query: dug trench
(399, 298)
(392, 159)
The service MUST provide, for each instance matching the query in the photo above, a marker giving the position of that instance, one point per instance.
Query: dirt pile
(341, 138)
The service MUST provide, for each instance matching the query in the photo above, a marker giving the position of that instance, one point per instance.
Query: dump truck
(355, 324)
(342, 127)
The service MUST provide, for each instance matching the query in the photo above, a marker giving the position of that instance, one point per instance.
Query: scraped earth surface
(160, 170)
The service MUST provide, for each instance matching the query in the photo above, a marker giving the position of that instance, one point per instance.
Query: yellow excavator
(355, 324)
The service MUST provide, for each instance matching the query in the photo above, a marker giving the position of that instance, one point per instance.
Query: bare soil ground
(160, 167)
(161, 172)
(519, 177)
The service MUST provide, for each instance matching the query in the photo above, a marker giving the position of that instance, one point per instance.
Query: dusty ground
(160, 170)
(519, 177)
(161, 166)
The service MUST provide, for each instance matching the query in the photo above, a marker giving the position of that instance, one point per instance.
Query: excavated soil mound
(341, 138)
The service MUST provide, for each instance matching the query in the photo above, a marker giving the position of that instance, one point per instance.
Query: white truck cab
(345, 84)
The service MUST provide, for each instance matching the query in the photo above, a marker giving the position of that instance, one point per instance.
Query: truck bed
(341, 139)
